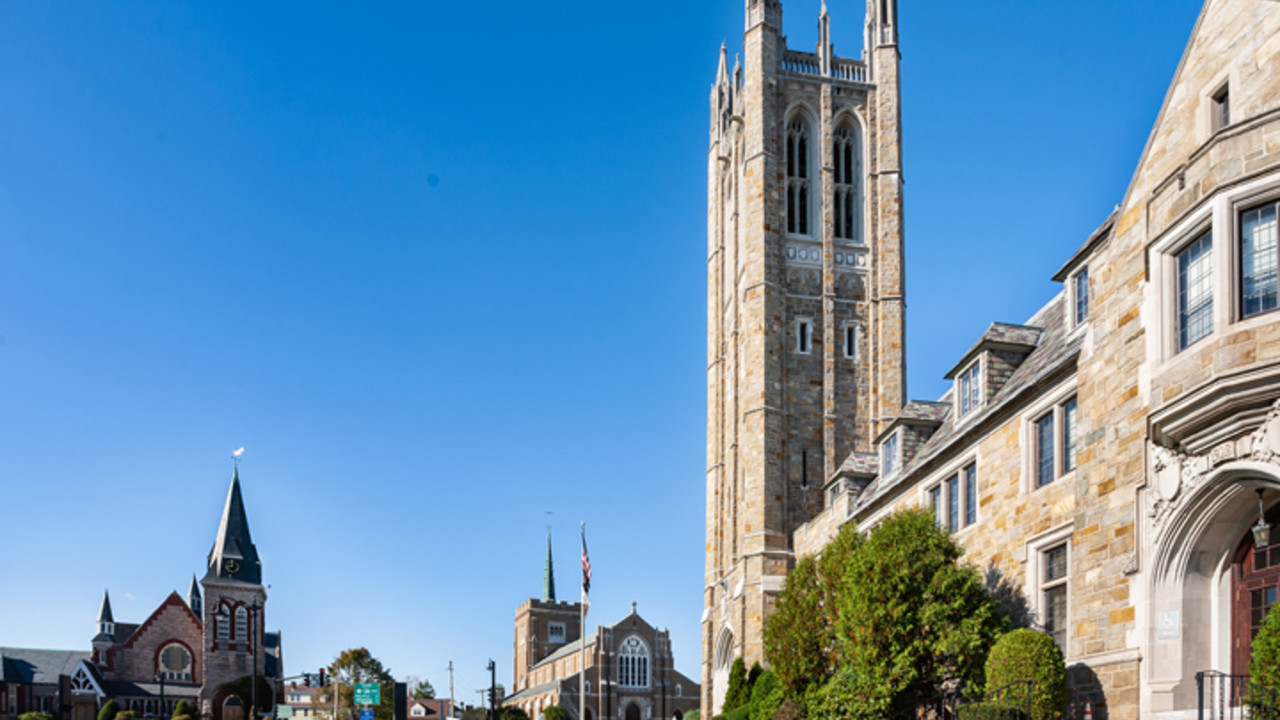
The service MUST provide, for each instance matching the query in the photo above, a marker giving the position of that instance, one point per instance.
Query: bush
(849, 695)
(767, 695)
(127, 715)
(109, 710)
(989, 711)
(183, 708)
(35, 716)
(182, 717)
(694, 714)
(1264, 664)
(555, 712)
(1029, 656)
(738, 692)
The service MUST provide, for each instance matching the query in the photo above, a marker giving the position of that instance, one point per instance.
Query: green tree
(910, 617)
(242, 689)
(1029, 656)
(183, 708)
(555, 712)
(511, 712)
(736, 695)
(110, 709)
(423, 691)
(356, 665)
(1264, 663)
(474, 714)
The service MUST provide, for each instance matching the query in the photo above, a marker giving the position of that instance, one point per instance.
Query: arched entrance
(232, 709)
(721, 664)
(1255, 579)
(633, 712)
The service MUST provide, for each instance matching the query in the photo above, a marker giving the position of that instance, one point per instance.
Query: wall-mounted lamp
(1261, 531)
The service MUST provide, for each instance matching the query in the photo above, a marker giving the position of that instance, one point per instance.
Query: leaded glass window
(1045, 469)
(798, 177)
(633, 663)
(971, 388)
(847, 163)
(1195, 292)
(1258, 283)
(1069, 433)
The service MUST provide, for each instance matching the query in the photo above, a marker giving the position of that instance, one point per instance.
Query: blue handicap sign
(366, 714)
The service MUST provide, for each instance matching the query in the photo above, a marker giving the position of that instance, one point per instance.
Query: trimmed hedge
(989, 711)
(109, 710)
(1029, 656)
(182, 708)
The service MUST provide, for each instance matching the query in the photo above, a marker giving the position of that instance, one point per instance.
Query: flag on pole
(586, 574)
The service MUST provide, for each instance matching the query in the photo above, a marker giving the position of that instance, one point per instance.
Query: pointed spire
(234, 556)
(722, 72)
(104, 612)
(193, 597)
(549, 576)
(824, 39)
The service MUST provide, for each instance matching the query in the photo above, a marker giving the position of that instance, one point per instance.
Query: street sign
(368, 694)
(284, 712)
(366, 713)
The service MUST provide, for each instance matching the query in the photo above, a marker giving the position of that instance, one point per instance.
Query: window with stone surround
(1195, 292)
(1053, 589)
(1054, 436)
(804, 335)
(970, 494)
(889, 455)
(633, 663)
(555, 632)
(1080, 296)
(799, 172)
(851, 341)
(954, 500)
(969, 389)
(242, 624)
(1220, 107)
(223, 626)
(175, 663)
(847, 163)
(1259, 291)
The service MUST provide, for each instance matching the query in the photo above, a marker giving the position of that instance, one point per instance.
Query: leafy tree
(423, 691)
(1264, 663)
(1029, 656)
(511, 712)
(474, 714)
(357, 665)
(910, 617)
(110, 709)
(736, 695)
(182, 708)
(767, 695)
(242, 689)
(556, 712)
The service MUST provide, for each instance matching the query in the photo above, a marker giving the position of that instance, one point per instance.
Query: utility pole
(450, 690)
(493, 691)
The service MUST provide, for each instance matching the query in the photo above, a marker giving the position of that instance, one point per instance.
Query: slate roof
(999, 335)
(39, 667)
(1056, 351)
(124, 688)
(928, 412)
(234, 541)
(533, 691)
(104, 612)
(565, 651)
(860, 463)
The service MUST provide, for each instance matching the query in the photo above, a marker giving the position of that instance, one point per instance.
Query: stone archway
(232, 709)
(633, 712)
(1198, 514)
(721, 664)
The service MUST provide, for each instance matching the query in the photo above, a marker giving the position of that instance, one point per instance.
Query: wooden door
(1255, 584)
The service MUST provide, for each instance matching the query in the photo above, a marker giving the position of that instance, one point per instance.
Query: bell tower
(805, 307)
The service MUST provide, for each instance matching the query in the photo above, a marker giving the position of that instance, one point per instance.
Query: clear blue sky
(440, 267)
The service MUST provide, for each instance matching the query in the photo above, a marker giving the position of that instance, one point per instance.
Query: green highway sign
(368, 693)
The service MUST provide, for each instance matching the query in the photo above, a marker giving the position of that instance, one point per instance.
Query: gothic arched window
(633, 663)
(242, 624)
(223, 624)
(847, 162)
(798, 176)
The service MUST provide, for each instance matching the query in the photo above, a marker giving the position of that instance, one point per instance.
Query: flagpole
(582, 633)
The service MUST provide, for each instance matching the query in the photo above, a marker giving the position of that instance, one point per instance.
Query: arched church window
(242, 624)
(633, 663)
(175, 663)
(847, 162)
(223, 625)
(798, 176)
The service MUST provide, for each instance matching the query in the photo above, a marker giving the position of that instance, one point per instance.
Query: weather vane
(549, 514)
(235, 456)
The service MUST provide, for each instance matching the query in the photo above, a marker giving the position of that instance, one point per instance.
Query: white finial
(235, 456)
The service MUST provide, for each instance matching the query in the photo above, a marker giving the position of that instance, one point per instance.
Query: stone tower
(805, 309)
(234, 603)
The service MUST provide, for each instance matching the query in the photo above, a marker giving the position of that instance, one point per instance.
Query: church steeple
(193, 598)
(549, 576)
(106, 621)
(234, 556)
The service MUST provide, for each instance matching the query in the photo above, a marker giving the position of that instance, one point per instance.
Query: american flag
(586, 573)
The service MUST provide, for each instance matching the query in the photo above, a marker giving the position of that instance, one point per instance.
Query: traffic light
(306, 679)
(489, 694)
(323, 681)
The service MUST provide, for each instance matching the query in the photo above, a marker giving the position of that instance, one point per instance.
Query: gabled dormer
(1075, 275)
(988, 366)
(908, 432)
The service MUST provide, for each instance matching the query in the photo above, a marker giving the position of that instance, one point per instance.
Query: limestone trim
(1048, 403)
(952, 468)
(1035, 549)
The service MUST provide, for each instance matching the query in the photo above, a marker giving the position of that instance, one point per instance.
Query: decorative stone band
(846, 259)
(1174, 475)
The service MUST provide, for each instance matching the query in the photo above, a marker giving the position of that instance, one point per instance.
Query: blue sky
(440, 267)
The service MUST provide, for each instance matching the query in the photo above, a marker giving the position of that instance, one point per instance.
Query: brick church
(1115, 457)
(184, 650)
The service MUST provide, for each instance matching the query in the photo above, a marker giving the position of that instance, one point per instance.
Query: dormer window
(970, 388)
(889, 456)
(1080, 296)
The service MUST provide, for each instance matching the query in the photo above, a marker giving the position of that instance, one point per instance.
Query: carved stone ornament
(1175, 475)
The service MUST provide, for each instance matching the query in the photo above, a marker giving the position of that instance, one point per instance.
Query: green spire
(549, 577)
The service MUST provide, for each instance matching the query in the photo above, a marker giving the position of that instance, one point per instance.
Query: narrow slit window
(1082, 296)
(1045, 466)
(1195, 292)
(971, 495)
(804, 336)
(851, 341)
(1221, 107)
(1069, 445)
(953, 503)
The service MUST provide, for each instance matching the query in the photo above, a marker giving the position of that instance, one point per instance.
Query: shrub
(849, 695)
(182, 717)
(109, 710)
(555, 712)
(694, 714)
(737, 694)
(1264, 664)
(1029, 656)
(989, 711)
(35, 716)
(127, 715)
(767, 696)
(182, 708)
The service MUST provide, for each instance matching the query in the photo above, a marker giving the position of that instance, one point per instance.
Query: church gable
(172, 623)
(85, 680)
(1229, 76)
